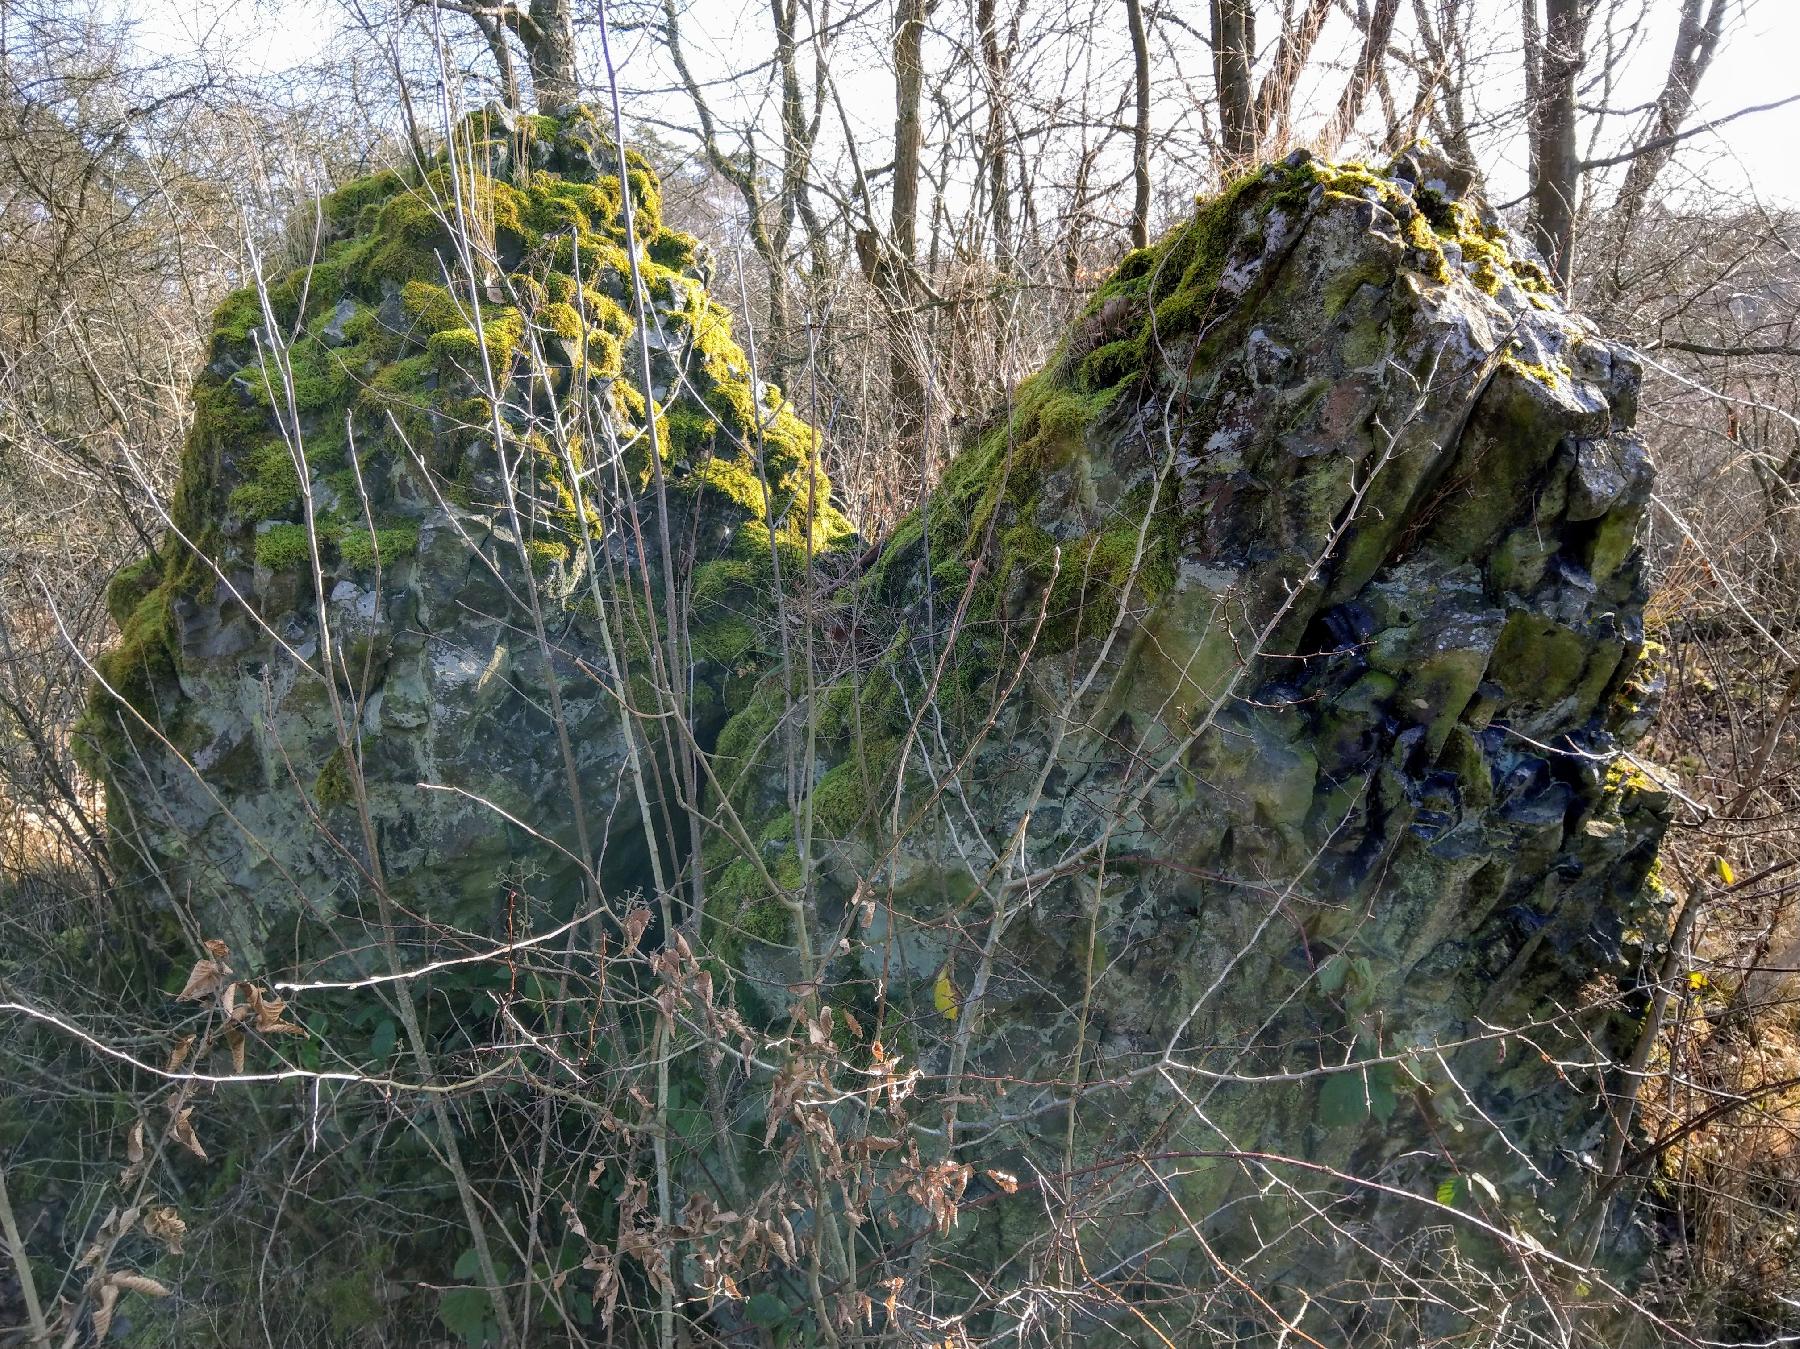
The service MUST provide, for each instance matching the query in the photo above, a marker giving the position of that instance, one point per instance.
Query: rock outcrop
(1222, 769)
(424, 470)
(1293, 623)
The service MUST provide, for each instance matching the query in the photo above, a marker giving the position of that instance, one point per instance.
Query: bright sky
(1759, 62)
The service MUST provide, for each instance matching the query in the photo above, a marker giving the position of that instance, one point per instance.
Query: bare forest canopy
(1012, 674)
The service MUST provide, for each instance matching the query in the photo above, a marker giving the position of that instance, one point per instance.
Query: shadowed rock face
(1251, 695)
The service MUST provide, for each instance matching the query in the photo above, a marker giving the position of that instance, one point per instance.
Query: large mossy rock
(1258, 689)
(1228, 752)
(428, 432)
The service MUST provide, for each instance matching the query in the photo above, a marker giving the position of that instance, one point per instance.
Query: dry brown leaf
(234, 1041)
(138, 1283)
(635, 923)
(605, 1266)
(181, 1128)
(166, 1225)
(1004, 1181)
(267, 1011)
(217, 949)
(228, 1002)
(106, 1297)
(178, 1055)
(91, 1256)
(204, 980)
(134, 1153)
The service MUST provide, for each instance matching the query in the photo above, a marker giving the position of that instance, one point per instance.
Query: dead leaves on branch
(181, 1128)
(107, 1290)
(162, 1224)
(266, 1012)
(244, 1005)
(938, 1189)
(167, 1226)
(204, 980)
(134, 1154)
(635, 923)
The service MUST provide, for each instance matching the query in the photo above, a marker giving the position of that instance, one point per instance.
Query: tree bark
(1448, 111)
(909, 84)
(1552, 67)
(549, 38)
(1140, 133)
(996, 58)
(908, 389)
(1363, 76)
(495, 34)
(749, 187)
(1275, 96)
(1234, 51)
(1695, 43)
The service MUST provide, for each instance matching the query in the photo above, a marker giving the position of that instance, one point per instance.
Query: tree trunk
(550, 51)
(1444, 48)
(796, 161)
(1363, 76)
(1275, 98)
(1695, 43)
(749, 185)
(495, 35)
(1140, 133)
(908, 389)
(1556, 169)
(1234, 51)
(996, 57)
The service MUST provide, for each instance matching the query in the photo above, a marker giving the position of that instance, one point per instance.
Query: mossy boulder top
(442, 395)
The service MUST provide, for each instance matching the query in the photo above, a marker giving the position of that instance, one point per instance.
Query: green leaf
(1332, 973)
(1382, 1097)
(766, 1310)
(464, 1312)
(1350, 1097)
(1342, 1100)
(1446, 1191)
(468, 1265)
(381, 1043)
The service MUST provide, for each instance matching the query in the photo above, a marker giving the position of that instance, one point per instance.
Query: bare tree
(1234, 54)
(1554, 55)
(1140, 131)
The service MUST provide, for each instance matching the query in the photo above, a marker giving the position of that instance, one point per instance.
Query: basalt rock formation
(1282, 648)
(422, 465)
(1227, 756)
